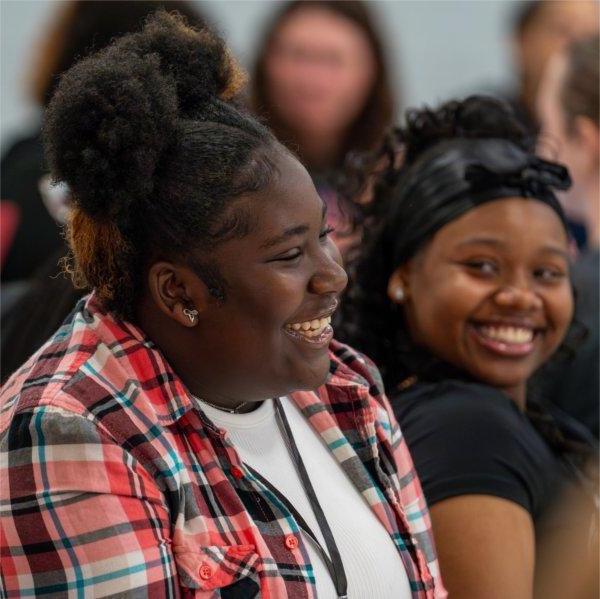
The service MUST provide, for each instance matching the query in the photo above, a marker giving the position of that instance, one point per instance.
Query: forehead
(515, 221)
(289, 199)
(321, 28)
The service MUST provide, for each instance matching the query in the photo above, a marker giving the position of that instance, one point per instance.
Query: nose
(329, 276)
(518, 298)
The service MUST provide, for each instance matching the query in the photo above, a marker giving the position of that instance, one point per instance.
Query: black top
(469, 438)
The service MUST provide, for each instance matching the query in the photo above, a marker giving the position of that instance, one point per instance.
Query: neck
(243, 408)
(518, 394)
(527, 96)
(188, 360)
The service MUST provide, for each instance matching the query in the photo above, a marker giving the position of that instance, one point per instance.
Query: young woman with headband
(462, 294)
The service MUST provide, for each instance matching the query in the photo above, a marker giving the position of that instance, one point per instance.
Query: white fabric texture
(371, 561)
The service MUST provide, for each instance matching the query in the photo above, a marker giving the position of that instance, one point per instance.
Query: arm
(81, 517)
(486, 547)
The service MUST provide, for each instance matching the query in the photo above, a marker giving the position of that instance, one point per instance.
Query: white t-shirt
(371, 561)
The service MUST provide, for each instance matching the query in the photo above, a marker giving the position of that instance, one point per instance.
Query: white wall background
(436, 48)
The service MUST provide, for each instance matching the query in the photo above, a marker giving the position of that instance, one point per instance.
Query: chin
(503, 380)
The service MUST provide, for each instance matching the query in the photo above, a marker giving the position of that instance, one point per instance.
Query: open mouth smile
(317, 332)
(505, 340)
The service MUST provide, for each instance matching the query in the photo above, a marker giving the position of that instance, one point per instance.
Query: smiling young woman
(193, 429)
(462, 294)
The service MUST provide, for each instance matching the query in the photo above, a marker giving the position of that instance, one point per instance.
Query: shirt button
(205, 572)
(236, 472)
(291, 542)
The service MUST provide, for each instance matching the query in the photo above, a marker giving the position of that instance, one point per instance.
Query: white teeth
(311, 328)
(506, 334)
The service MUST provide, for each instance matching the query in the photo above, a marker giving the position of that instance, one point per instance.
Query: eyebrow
(290, 232)
(547, 249)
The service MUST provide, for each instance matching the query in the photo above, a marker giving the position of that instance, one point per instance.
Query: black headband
(456, 176)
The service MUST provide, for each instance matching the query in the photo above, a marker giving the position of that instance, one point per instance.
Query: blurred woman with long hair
(321, 81)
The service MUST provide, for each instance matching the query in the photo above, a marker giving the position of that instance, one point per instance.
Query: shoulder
(356, 382)
(461, 404)
(46, 374)
(468, 438)
(348, 365)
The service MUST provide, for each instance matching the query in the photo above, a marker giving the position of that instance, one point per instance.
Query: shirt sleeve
(467, 440)
(80, 516)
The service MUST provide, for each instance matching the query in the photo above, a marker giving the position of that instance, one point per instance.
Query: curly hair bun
(115, 114)
(474, 117)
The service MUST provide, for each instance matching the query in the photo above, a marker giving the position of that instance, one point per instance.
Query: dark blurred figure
(569, 110)
(35, 297)
(79, 27)
(542, 27)
(321, 82)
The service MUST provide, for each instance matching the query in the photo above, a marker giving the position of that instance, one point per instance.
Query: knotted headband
(458, 175)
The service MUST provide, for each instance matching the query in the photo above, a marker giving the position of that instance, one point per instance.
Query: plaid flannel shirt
(115, 483)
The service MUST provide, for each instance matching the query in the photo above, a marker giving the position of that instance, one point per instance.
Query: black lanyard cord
(338, 574)
(333, 560)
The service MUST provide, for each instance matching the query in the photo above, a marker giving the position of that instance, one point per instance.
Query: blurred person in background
(35, 297)
(541, 28)
(78, 27)
(569, 111)
(321, 82)
(462, 293)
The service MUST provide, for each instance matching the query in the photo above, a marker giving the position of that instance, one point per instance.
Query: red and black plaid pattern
(115, 483)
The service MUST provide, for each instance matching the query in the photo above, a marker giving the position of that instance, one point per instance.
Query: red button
(291, 542)
(205, 572)
(236, 472)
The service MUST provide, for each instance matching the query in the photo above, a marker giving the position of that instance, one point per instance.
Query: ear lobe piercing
(399, 294)
(191, 314)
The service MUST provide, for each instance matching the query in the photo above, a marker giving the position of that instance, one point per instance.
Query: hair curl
(148, 137)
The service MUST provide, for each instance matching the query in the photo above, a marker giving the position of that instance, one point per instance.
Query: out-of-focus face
(557, 23)
(490, 293)
(319, 71)
(557, 141)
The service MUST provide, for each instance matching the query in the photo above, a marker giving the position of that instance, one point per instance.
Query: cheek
(351, 90)
(280, 77)
(442, 305)
(560, 307)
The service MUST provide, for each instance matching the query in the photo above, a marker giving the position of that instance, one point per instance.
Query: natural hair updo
(153, 151)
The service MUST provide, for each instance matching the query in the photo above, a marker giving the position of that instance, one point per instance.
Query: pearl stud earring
(399, 294)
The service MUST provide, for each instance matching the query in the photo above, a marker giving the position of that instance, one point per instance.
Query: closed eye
(329, 229)
(290, 256)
